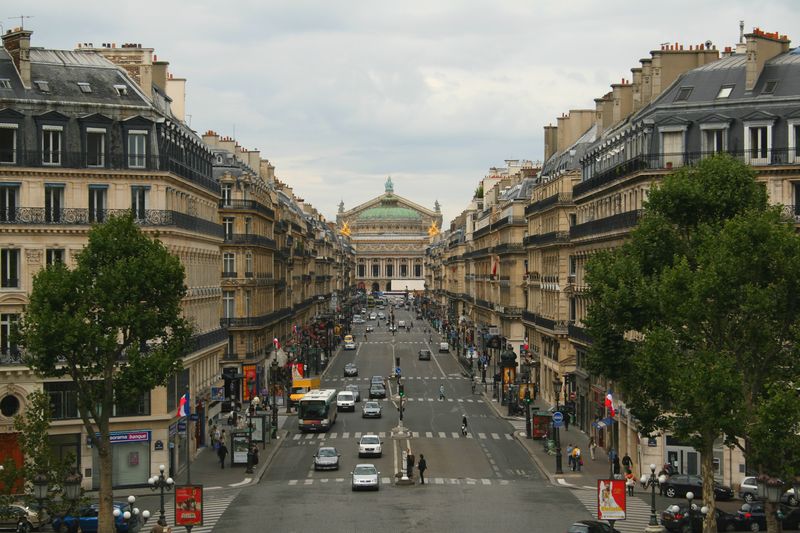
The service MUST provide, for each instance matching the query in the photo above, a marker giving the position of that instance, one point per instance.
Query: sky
(340, 94)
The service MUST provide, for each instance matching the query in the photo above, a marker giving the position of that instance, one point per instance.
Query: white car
(370, 444)
(381, 315)
(373, 316)
(345, 401)
(349, 342)
(444, 347)
(401, 324)
(365, 476)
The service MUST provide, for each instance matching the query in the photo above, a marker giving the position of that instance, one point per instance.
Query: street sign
(558, 419)
(397, 371)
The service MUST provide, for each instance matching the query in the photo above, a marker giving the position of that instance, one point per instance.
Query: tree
(696, 316)
(113, 325)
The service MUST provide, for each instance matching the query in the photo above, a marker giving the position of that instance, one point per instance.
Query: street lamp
(161, 483)
(71, 486)
(557, 388)
(692, 507)
(250, 412)
(131, 516)
(274, 386)
(652, 481)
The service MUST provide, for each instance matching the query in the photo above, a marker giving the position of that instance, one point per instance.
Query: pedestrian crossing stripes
(388, 481)
(303, 438)
(213, 509)
(637, 515)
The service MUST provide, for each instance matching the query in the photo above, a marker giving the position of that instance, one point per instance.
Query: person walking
(441, 396)
(630, 481)
(422, 467)
(222, 452)
(464, 425)
(577, 460)
(592, 447)
(626, 462)
(213, 435)
(616, 465)
(566, 421)
(409, 463)
(570, 458)
(663, 472)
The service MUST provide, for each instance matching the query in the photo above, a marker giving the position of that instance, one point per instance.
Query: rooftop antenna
(741, 31)
(21, 20)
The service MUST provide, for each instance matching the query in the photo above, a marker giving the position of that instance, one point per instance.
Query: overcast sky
(339, 94)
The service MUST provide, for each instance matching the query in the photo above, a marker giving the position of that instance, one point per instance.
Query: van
(444, 347)
(345, 401)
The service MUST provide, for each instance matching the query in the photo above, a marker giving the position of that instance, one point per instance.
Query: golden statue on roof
(433, 230)
(345, 229)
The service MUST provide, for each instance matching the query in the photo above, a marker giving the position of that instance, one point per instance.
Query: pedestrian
(630, 481)
(409, 463)
(212, 435)
(663, 472)
(254, 454)
(626, 461)
(441, 394)
(161, 527)
(222, 452)
(616, 465)
(222, 437)
(566, 422)
(422, 466)
(569, 456)
(577, 460)
(592, 447)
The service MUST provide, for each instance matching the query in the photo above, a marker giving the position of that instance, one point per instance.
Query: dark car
(679, 484)
(326, 458)
(676, 518)
(87, 519)
(753, 517)
(19, 515)
(377, 391)
(350, 369)
(591, 526)
(377, 380)
(424, 355)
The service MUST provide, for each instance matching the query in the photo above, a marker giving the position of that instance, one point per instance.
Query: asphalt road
(484, 481)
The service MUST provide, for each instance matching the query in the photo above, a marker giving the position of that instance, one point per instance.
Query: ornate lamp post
(71, 486)
(274, 387)
(161, 483)
(508, 360)
(131, 516)
(652, 481)
(557, 388)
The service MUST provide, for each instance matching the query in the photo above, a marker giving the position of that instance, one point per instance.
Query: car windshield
(316, 409)
(327, 452)
(370, 440)
(371, 405)
(364, 470)
(377, 386)
(345, 396)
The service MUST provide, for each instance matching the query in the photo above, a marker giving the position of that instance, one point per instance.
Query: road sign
(558, 417)
(397, 371)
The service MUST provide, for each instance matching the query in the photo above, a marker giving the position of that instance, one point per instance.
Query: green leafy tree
(696, 316)
(113, 325)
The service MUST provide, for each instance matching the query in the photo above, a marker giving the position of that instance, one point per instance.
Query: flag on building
(183, 409)
(276, 343)
(610, 405)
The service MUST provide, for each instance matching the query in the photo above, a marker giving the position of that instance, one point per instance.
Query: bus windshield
(312, 410)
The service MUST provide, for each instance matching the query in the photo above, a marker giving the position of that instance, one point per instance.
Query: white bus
(316, 411)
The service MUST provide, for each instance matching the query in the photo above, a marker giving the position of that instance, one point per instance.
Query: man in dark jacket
(409, 464)
(222, 452)
(422, 466)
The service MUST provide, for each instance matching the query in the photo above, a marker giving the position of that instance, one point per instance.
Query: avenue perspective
(605, 340)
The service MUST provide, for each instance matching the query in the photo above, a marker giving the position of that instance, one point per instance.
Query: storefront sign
(182, 426)
(118, 437)
(189, 505)
(250, 382)
(217, 394)
(611, 503)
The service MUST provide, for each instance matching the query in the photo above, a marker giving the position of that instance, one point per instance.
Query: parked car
(371, 410)
(676, 518)
(355, 390)
(326, 458)
(377, 390)
(679, 484)
(350, 369)
(18, 514)
(365, 476)
(370, 444)
(86, 518)
(748, 491)
(424, 355)
(591, 526)
(444, 347)
(345, 401)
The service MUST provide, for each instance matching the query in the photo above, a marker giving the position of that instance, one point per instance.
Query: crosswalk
(637, 515)
(355, 435)
(213, 509)
(388, 481)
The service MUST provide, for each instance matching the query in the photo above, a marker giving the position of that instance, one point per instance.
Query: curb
(282, 435)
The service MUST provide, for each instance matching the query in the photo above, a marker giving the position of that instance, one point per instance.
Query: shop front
(130, 451)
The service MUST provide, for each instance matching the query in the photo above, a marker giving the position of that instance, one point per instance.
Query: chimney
(622, 95)
(761, 47)
(17, 43)
(160, 74)
(603, 112)
(550, 141)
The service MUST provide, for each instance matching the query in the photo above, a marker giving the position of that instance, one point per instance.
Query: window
(769, 87)
(137, 148)
(122, 90)
(713, 140)
(97, 203)
(389, 270)
(137, 407)
(51, 145)
(725, 91)
(417, 271)
(5, 83)
(53, 202)
(248, 225)
(403, 270)
(573, 265)
(95, 147)
(228, 304)
(42, 85)
(376, 270)
(7, 323)
(362, 271)
(248, 262)
(8, 202)
(54, 255)
(63, 399)
(228, 263)
(227, 224)
(139, 202)
(84, 87)
(8, 143)
(794, 141)
(672, 146)
(757, 139)
(227, 194)
(9, 275)
(572, 310)
(683, 94)
(248, 302)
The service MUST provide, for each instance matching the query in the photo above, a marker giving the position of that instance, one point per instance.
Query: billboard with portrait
(611, 503)
(189, 505)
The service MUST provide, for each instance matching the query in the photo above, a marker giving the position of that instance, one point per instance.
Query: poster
(250, 382)
(189, 505)
(611, 503)
(258, 428)
(239, 445)
(297, 371)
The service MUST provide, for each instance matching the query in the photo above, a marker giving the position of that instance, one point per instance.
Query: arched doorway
(376, 287)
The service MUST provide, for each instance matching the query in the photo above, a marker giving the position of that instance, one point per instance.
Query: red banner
(189, 505)
(611, 502)
(250, 382)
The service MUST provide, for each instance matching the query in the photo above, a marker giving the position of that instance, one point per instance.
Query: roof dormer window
(122, 90)
(769, 87)
(84, 87)
(683, 94)
(42, 85)
(5, 83)
(725, 91)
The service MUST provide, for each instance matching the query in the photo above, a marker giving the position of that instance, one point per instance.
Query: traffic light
(397, 362)
(402, 389)
(527, 395)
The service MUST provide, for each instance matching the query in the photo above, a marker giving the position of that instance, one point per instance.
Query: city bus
(316, 411)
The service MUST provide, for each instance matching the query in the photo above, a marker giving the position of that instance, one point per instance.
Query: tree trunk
(105, 517)
(773, 524)
(710, 521)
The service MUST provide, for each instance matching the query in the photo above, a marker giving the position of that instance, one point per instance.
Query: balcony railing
(547, 238)
(72, 216)
(255, 321)
(229, 274)
(620, 221)
(540, 205)
(250, 239)
(580, 334)
(209, 338)
(249, 205)
(112, 161)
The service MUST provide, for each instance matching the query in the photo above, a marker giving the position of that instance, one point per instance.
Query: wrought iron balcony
(247, 205)
(541, 205)
(618, 222)
(545, 239)
(250, 239)
(580, 334)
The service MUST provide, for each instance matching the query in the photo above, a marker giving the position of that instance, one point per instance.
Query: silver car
(366, 476)
(14, 514)
(355, 390)
(371, 410)
(326, 458)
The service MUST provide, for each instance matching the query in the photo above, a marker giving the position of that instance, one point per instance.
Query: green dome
(389, 213)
